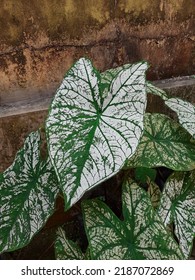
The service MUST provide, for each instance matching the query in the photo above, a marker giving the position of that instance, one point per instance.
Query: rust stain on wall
(40, 41)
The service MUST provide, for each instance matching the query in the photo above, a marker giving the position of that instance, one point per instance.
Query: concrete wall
(41, 39)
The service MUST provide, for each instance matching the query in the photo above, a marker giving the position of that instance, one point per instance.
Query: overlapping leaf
(156, 91)
(185, 112)
(141, 235)
(28, 190)
(89, 136)
(177, 206)
(164, 143)
(142, 174)
(67, 249)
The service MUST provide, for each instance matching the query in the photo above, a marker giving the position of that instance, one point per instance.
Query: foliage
(28, 191)
(96, 127)
(141, 234)
(91, 135)
(177, 206)
(164, 143)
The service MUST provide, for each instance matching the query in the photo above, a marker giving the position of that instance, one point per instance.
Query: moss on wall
(41, 39)
(69, 18)
(154, 10)
(57, 19)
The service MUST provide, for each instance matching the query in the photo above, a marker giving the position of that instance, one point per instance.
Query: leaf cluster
(97, 126)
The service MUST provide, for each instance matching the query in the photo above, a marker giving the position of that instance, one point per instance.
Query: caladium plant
(141, 234)
(28, 190)
(177, 207)
(91, 133)
(66, 249)
(185, 111)
(164, 143)
(97, 126)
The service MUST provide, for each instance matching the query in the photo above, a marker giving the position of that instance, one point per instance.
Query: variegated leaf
(89, 136)
(109, 75)
(67, 249)
(141, 235)
(28, 190)
(156, 91)
(164, 143)
(177, 206)
(185, 112)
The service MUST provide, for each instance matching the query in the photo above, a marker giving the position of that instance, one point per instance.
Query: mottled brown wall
(40, 40)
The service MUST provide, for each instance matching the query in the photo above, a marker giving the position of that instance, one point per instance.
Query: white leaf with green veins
(141, 235)
(164, 143)
(109, 75)
(67, 249)
(90, 137)
(28, 190)
(185, 112)
(177, 206)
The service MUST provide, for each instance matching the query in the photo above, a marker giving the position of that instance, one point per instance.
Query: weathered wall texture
(41, 39)
(13, 131)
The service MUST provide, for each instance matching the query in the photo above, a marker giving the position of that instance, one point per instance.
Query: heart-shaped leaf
(67, 249)
(185, 112)
(177, 206)
(141, 235)
(90, 137)
(164, 143)
(28, 190)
